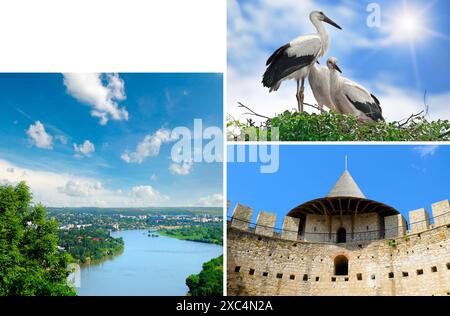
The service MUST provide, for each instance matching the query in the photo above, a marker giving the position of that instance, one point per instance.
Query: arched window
(341, 235)
(341, 265)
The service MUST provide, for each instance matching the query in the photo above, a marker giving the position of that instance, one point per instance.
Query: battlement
(368, 228)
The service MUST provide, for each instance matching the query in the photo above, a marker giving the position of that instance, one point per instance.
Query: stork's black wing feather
(372, 110)
(375, 98)
(283, 66)
(277, 54)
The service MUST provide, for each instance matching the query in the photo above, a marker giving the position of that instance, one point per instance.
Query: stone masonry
(415, 262)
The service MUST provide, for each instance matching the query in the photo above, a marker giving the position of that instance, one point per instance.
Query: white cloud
(62, 139)
(181, 169)
(146, 194)
(149, 147)
(398, 104)
(61, 189)
(101, 92)
(10, 170)
(154, 177)
(39, 137)
(427, 150)
(211, 200)
(86, 149)
(80, 188)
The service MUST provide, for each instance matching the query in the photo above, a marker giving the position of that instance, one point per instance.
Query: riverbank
(90, 245)
(211, 233)
(101, 260)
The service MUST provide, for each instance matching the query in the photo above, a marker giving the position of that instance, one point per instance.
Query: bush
(330, 126)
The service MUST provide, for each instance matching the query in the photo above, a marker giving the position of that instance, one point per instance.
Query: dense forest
(30, 262)
(87, 245)
(207, 232)
(209, 282)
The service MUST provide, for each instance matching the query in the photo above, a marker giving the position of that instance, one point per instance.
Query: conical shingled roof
(346, 187)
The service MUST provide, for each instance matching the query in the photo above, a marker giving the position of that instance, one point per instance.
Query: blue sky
(105, 139)
(404, 177)
(407, 54)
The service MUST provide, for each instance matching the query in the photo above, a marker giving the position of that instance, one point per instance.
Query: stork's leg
(300, 95)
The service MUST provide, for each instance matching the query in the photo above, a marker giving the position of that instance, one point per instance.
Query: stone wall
(414, 264)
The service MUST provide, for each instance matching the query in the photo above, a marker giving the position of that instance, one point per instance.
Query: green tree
(30, 262)
(209, 282)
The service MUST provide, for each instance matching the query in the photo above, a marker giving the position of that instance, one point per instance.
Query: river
(147, 266)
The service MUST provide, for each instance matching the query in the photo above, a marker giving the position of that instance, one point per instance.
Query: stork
(293, 60)
(350, 97)
(319, 80)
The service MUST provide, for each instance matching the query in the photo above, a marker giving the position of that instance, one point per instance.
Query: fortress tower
(341, 244)
(345, 215)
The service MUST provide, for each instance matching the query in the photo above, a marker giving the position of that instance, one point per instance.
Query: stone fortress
(342, 244)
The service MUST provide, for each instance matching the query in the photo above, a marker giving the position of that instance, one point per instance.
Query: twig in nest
(240, 105)
(413, 116)
(315, 107)
(420, 114)
(252, 112)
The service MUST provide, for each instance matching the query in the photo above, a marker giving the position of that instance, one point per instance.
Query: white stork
(293, 60)
(350, 97)
(319, 80)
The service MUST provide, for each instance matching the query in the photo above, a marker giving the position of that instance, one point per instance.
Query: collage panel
(111, 184)
(338, 220)
(338, 71)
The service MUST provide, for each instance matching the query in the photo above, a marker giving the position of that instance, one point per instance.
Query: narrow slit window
(251, 272)
(237, 269)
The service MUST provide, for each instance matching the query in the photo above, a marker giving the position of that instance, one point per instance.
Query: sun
(408, 27)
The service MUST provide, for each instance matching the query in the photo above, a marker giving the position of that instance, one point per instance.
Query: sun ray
(413, 53)
(437, 34)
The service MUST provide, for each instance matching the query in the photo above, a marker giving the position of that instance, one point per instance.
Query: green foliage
(208, 232)
(330, 126)
(209, 282)
(90, 244)
(30, 262)
(392, 243)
